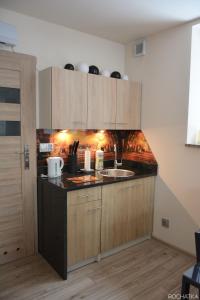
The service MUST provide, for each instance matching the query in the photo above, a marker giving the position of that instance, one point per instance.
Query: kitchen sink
(116, 173)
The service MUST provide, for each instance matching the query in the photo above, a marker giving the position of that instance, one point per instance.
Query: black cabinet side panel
(52, 226)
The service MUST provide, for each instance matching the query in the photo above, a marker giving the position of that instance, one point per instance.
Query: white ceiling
(117, 20)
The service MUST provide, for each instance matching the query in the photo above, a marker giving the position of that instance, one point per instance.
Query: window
(193, 132)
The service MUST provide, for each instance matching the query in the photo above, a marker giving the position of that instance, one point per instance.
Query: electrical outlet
(165, 222)
(46, 147)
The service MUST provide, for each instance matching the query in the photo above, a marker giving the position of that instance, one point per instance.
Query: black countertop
(64, 182)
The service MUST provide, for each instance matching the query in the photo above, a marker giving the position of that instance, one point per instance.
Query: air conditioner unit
(8, 34)
(140, 48)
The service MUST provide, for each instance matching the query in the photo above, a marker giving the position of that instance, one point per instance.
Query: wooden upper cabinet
(128, 104)
(101, 102)
(69, 99)
(75, 100)
(113, 103)
(63, 99)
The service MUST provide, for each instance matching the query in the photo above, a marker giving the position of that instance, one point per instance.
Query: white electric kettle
(55, 165)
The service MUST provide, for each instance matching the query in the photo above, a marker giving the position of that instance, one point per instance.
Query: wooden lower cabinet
(83, 225)
(96, 225)
(127, 212)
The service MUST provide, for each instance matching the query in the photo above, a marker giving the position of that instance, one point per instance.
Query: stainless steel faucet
(116, 164)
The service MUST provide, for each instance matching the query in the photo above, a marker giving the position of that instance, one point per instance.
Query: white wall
(55, 45)
(164, 72)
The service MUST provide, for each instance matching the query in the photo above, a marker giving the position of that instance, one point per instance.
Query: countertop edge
(94, 184)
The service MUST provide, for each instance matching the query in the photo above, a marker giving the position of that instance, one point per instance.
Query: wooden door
(69, 99)
(17, 180)
(83, 231)
(101, 102)
(128, 105)
(126, 212)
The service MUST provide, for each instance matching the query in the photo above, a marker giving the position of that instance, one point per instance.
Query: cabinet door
(83, 231)
(126, 212)
(128, 105)
(144, 199)
(101, 102)
(69, 99)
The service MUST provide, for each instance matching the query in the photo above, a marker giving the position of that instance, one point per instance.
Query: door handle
(26, 157)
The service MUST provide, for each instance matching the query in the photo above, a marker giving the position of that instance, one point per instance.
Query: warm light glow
(135, 146)
(100, 136)
(62, 136)
(101, 139)
(64, 131)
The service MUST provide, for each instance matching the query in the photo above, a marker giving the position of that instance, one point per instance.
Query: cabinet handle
(79, 122)
(83, 196)
(93, 210)
(122, 123)
(109, 122)
(131, 187)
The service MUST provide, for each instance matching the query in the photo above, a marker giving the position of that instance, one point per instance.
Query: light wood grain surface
(45, 98)
(10, 144)
(83, 224)
(17, 185)
(9, 77)
(127, 211)
(83, 231)
(128, 104)
(148, 271)
(69, 99)
(101, 102)
(9, 112)
(63, 99)
(83, 196)
(74, 100)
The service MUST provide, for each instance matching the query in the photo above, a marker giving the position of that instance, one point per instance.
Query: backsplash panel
(131, 144)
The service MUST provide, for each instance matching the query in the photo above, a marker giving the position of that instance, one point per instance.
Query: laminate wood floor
(148, 271)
